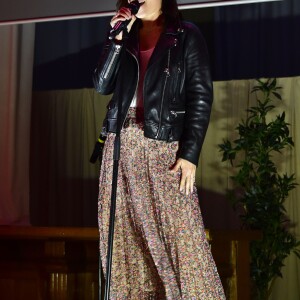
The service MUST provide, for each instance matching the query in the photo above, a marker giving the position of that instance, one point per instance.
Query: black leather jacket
(177, 86)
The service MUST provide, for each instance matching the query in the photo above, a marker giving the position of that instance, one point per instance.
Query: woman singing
(159, 70)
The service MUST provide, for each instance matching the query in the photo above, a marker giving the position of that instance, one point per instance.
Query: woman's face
(149, 9)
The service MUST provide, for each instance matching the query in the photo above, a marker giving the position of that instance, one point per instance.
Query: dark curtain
(66, 53)
(257, 40)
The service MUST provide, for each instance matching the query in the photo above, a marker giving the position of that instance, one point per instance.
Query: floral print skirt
(160, 249)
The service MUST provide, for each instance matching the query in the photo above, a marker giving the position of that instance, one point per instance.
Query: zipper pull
(174, 113)
(167, 71)
(178, 68)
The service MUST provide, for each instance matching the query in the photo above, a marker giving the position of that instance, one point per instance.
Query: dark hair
(169, 8)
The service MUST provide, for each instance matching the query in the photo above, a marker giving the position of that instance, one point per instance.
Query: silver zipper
(167, 71)
(116, 52)
(177, 76)
(175, 113)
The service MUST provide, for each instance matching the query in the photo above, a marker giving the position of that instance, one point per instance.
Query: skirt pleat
(160, 249)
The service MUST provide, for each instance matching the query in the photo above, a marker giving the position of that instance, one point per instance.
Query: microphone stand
(116, 158)
(122, 26)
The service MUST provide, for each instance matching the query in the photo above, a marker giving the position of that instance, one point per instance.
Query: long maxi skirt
(160, 249)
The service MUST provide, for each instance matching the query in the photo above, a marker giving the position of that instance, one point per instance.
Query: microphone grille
(134, 6)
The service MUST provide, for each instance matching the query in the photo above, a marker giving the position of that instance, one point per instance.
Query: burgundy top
(145, 55)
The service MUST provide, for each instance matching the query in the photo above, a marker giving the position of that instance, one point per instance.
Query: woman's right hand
(122, 14)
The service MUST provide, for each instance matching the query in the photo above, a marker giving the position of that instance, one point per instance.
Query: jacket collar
(173, 27)
(167, 40)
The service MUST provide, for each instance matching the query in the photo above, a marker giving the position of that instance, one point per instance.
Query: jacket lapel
(132, 43)
(165, 42)
(168, 39)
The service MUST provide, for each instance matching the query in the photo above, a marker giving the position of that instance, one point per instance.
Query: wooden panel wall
(39, 263)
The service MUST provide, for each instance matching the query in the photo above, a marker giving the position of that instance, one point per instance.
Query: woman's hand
(122, 14)
(188, 172)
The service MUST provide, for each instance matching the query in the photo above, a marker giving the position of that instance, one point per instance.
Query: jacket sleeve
(105, 74)
(199, 95)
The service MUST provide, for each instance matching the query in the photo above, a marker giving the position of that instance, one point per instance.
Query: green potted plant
(260, 189)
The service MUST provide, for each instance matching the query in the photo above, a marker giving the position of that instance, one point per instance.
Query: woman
(159, 70)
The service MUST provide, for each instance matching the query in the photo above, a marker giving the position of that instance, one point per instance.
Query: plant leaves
(259, 188)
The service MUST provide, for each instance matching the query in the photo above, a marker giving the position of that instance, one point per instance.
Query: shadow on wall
(59, 195)
(217, 212)
(63, 183)
(70, 202)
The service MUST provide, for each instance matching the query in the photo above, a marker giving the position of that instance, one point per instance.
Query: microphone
(134, 7)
